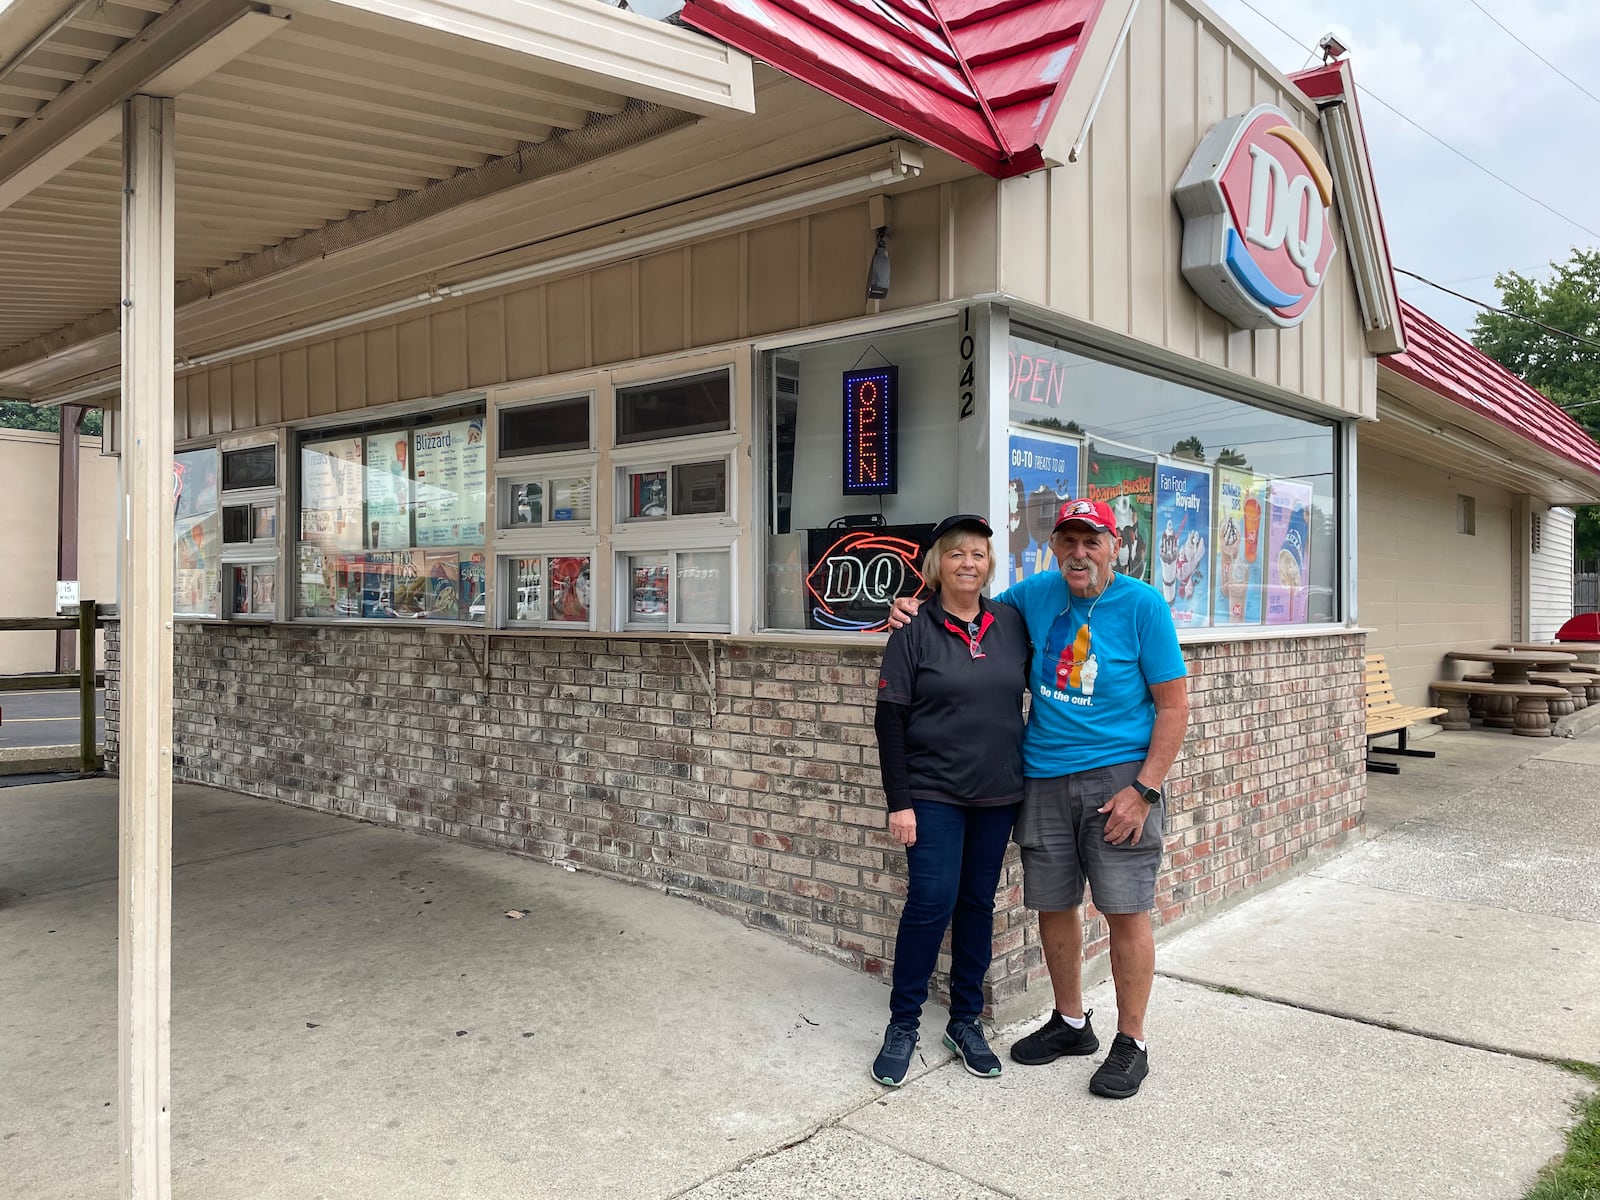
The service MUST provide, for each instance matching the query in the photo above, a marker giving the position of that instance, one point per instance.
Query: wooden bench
(1530, 716)
(1386, 715)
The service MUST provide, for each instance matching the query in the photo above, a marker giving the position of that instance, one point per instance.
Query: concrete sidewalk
(354, 1015)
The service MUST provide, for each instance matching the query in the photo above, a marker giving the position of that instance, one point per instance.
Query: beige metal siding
(1100, 240)
(792, 274)
(29, 465)
(1424, 587)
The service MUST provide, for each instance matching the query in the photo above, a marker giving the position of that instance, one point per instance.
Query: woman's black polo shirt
(963, 732)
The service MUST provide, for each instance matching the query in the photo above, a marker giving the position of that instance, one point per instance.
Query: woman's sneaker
(1055, 1039)
(966, 1039)
(894, 1060)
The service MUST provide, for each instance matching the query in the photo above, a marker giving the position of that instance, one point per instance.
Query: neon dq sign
(1257, 239)
(857, 578)
(870, 402)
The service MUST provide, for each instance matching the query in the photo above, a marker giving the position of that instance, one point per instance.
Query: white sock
(1075, 1022)
(1138, 1043)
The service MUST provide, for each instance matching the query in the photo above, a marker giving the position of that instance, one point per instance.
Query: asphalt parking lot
(45, 718)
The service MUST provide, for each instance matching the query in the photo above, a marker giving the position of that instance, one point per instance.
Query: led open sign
(871, 402)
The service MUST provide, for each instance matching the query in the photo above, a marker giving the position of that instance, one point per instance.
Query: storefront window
(634, 533)
(846, 514)
(1228, 508)
(391, 520)
(197, 534)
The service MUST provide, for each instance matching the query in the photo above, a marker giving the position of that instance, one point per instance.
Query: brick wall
(757, 797)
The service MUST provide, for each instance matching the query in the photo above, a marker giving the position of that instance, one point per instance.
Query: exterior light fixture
(878, 273)
(1332, 48)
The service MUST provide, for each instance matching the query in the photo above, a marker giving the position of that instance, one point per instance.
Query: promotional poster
(1288, 552)
(388, 474)
(197, 532)
(450, 469)
(1042, 475)
(1125, 481)
(1183, 530)
(330, 494)
(1239, 548)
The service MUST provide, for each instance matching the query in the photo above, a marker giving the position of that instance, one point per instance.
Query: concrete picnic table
(1513, 666)
(1587, 652)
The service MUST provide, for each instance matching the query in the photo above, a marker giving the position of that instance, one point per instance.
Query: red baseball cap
(1094, 513)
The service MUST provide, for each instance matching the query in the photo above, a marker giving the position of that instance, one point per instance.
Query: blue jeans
(954, 867)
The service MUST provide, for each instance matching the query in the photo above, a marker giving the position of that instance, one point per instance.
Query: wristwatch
(1151, 795)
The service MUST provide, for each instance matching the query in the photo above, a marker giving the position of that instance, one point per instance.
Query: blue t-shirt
(1090, 677)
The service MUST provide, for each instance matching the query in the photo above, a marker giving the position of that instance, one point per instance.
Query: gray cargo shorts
(1062, 836)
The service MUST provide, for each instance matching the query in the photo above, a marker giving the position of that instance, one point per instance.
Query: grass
(1576, 1174)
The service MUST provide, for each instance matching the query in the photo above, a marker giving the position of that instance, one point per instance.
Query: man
(1110, 708)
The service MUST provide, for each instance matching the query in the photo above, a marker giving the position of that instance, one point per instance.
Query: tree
(1564, 369)
(14, 414)
(1191, 448)
(1229, 457)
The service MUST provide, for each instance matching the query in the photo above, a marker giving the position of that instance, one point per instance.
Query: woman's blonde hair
(956, 537)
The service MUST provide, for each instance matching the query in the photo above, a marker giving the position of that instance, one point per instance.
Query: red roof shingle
(1452, 367)
(981, 80)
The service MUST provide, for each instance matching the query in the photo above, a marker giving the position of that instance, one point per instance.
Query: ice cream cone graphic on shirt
(1087, 671)
(1080, 653)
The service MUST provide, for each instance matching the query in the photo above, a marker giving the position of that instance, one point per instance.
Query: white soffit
(293, 120)
(585, 40)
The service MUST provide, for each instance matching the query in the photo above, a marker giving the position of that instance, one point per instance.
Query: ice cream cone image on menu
(1168, 553)
(1252, 527)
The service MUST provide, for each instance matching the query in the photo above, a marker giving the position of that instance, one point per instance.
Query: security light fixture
(1332, 48)
(878, 273)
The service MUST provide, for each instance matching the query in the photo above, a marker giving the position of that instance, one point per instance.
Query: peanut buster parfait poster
(1183, 527)
(1240, 548)
(1127, 483)
(1288, 552)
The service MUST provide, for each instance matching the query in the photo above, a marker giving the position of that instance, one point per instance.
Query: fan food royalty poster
(1183, 525)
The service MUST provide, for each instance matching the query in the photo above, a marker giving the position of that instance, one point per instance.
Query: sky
(1446, 66)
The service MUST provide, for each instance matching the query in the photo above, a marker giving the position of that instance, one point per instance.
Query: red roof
(1452, 367)
(979, 79)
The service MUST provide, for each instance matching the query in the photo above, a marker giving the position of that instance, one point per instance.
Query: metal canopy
(293, 124)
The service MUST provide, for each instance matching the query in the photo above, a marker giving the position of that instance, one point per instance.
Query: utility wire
(1535, 53)
(1504, 312)
(1370, 94)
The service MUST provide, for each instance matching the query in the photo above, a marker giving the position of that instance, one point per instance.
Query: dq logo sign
(1256, 236)
(856, 580)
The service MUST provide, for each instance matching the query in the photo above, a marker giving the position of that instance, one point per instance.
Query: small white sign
(66, 594)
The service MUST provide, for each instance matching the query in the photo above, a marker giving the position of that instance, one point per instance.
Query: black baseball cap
(961, 521)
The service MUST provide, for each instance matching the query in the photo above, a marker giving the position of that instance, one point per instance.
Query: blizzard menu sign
(1257, 239)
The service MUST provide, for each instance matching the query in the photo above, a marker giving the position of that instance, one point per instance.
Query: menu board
(1183, 523)
(1042, 475)
(450, 473)
(388, 472)
(1125, 481)
(330, 494)
(1288, 551)
(197, 535)
(1237, 589)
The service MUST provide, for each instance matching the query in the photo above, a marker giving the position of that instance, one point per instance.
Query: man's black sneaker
(966, 1039)
(1054, 1039)
(1123, 1070)
(894, 1060)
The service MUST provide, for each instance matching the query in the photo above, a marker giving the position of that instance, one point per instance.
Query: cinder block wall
(750, 784)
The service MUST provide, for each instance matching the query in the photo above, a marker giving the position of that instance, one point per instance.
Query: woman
(949, 726)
